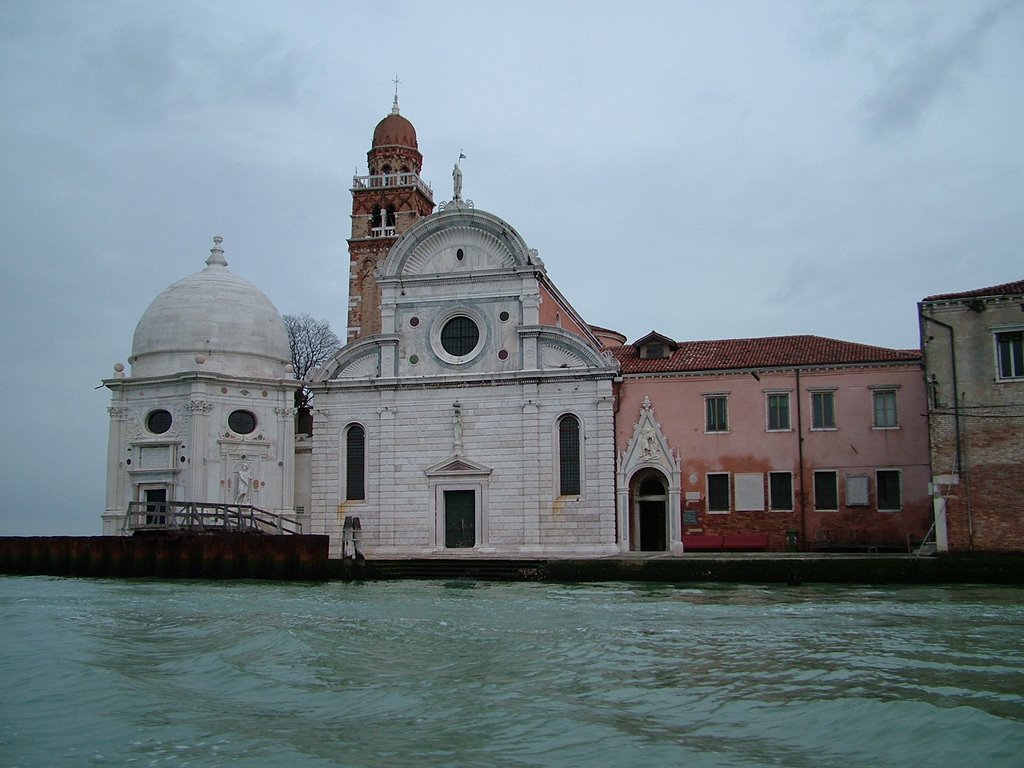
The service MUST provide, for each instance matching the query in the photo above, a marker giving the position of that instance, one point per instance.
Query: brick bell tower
(384, 205)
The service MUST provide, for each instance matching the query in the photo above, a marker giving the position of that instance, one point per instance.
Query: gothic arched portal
(649, 531)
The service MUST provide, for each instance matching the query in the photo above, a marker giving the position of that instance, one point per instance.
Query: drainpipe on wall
(616, 404)
(956, 417)
(800, 454)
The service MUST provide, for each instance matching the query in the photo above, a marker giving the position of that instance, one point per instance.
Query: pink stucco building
(796, 441)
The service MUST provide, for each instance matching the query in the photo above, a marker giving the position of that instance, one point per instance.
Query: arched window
(355, 463)
(569, 456)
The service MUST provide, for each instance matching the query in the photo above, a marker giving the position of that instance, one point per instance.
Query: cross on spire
(394, 107)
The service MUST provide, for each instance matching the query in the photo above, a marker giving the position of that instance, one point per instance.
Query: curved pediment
(433, 245)
(358, 360)
(560, 349)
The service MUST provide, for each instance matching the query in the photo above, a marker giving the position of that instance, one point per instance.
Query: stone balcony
(392, 180)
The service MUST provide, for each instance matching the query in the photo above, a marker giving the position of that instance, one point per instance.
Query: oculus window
(459, 336)
(159, 421)
(242, 422)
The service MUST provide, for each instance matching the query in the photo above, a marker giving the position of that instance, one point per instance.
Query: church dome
(211, 322)
(395, 130)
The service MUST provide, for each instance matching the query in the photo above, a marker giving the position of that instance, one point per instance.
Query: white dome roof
(214, 322)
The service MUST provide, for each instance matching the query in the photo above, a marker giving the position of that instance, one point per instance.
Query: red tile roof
(771, 352)
(996, 290)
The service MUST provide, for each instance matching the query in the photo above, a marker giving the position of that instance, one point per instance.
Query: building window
(856, 490)
(717, 409)
(718, 492)
(569, 456)
(778, 411)
(823, 410)
(826, 491)
(780, 490)
(885, 409)
(355, 463)
(653, 352)
(748, 492)
(1010, 350)
(158, 421)
(890, 496)
(242, 422)
(459, 336)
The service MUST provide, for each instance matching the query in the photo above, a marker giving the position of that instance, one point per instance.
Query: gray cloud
(152, 68)
(925, 75)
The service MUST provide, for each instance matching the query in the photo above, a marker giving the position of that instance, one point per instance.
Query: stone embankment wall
(191, 556)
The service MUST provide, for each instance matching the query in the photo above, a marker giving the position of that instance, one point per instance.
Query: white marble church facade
(467, 425)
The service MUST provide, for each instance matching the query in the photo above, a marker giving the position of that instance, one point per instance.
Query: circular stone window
(242, 422)
(159, 422)
(459, 336)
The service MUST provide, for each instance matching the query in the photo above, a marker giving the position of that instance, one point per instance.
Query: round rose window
(158, 422)
(459, 336)
(242, 422)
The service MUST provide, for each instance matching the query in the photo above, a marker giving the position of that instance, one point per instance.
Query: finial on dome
(394, 107)
(217, 253)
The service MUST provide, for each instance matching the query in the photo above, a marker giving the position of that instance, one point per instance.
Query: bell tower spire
(385, 203)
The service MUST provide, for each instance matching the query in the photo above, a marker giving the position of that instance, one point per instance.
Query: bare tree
(312, 342)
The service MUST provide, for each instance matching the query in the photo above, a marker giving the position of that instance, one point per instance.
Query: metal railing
(205, 517)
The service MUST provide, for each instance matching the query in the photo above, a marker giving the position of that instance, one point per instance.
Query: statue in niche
(244, 483)
(648, 442)
(458, 423)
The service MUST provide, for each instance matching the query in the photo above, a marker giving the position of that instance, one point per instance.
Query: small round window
(242, 422)
(459, 336)
(159, 422)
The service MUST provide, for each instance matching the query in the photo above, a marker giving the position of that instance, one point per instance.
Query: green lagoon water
(151, 673)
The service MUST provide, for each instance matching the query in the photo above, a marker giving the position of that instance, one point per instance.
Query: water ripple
(456, 673)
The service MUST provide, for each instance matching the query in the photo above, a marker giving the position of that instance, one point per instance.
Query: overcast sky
(707, 170)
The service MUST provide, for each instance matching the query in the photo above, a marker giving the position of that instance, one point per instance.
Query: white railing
(392, 180)
(383, 232)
